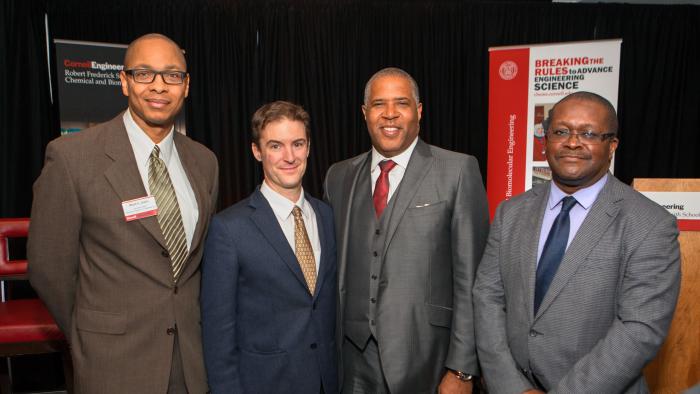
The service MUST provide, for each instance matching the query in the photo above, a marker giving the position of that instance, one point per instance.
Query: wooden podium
(677, 365)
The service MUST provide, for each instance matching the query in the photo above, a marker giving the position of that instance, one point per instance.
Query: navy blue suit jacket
(262, 331)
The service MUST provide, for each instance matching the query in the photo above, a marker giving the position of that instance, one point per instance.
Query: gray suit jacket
(108, 282)
(436, 235)
(607, 310)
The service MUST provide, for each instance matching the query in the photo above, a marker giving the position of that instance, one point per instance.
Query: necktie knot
(386, 165)
(296, 212)
(568, 203)
(155, 152)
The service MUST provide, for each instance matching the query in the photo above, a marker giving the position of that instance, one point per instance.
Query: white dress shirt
(142, 146)
(282, 208)
(396, 174)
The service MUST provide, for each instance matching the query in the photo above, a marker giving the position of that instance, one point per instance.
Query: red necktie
(381, 189)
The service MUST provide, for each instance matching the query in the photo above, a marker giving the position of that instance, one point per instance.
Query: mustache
(577, 155)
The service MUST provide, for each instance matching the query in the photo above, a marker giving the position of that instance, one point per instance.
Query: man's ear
(256, 151)
(125, 83)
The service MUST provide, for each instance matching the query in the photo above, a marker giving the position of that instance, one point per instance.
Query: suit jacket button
(165, 253)
(374, 277)
(313, 346)
(373, 300)
(533, 333)
(375, 254)
(175, 289)
(171, 331)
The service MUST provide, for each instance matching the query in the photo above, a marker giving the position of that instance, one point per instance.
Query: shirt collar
(282, 206)
(142, 143)
(401, 159)
(584, 197)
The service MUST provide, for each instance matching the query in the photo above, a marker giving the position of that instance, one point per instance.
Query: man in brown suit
(118, 218)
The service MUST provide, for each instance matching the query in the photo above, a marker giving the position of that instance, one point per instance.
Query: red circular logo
(508, 70)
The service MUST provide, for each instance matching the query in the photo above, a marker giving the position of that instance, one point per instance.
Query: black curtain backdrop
(242, 54)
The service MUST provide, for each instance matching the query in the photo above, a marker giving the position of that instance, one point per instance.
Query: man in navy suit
(269, 274)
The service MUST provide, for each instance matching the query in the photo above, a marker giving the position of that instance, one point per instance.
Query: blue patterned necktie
(553, 251)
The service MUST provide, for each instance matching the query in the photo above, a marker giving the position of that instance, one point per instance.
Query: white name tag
(139, 208)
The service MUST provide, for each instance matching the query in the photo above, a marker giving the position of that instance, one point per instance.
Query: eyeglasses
(145, 75)
(586, 137)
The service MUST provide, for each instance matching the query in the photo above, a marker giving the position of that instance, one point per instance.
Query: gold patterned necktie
(169, 217)
(303, 250)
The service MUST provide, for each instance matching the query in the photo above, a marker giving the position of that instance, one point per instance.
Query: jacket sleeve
(469, 229)
(499, 368)
(53, 247)
(218, 306)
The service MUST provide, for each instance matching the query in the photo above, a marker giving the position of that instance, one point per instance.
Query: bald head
(610, 113)
(147, 39)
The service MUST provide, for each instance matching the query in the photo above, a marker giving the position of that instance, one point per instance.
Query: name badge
(139, 208)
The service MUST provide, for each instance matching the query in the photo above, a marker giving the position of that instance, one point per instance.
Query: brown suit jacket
(108, 282)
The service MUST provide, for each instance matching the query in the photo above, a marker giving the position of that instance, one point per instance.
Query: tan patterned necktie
(303, 250)
(169, 217)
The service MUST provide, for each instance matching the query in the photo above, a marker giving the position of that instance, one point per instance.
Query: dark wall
(320, 53)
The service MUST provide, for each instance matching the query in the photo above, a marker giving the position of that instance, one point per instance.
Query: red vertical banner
(508, 106)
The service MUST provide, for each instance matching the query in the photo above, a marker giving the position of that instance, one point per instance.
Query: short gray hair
(394, 72)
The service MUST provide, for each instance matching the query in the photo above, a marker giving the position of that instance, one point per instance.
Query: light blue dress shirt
(585, 198)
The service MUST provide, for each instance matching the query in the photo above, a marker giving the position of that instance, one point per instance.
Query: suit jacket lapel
(530, 227)
(124, 174)
(418, 167)
(323, 264)
(264, 218)
(602, 214)
(199, 187)
(352, 176)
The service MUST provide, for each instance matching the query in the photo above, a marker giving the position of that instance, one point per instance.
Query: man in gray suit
(579, 280)
(118, 220)
(411, 223)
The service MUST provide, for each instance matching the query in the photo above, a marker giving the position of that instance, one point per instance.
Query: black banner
(89, 89)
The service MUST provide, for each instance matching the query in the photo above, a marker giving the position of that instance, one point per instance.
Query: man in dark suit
(269, 274)
(119, 213)
(411, 222)
(579, 280)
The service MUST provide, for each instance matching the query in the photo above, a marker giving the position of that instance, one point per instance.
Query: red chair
(26, 326)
